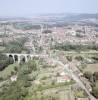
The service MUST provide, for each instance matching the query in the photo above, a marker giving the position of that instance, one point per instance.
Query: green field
(91, 68)
(2, 48)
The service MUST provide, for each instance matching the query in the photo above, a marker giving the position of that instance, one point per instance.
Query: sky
(31, 7)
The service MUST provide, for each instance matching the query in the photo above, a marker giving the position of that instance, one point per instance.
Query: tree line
(69, 47)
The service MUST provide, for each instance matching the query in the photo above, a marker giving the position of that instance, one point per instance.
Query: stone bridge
(25, 57)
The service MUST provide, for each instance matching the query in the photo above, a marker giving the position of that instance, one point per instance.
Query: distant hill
(79, 17)
(63, 17)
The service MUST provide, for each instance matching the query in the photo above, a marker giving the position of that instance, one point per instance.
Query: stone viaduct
(26, 57)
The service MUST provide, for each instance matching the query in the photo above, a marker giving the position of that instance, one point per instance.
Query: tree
(32, 65)
(95, 90)
(16, 46)
(88, 75)
(14, 92)
(4, 61)
(95, 75)
(15, 68)
(79, 58)
(18, 89)
(47, 31)
(69, 58)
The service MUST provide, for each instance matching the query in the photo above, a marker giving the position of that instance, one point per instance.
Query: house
(63, 78)
(14, 78)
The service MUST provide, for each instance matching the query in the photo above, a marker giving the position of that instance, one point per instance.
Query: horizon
(47, 14)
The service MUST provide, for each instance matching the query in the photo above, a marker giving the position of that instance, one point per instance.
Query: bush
(44, 78)
(27, 84)
(79, 58)
(1, 78)
(95, 58)
(88, 75)
(95, 76)
(95, 90)
(15, 68)
(12, 72)
(32, 65)
(69, 58)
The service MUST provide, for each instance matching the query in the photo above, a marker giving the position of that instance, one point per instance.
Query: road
(76, 78)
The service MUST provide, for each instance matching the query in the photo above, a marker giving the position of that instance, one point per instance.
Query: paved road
(76, 78)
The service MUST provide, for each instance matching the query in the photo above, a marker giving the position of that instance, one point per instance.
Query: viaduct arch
(25, 57)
